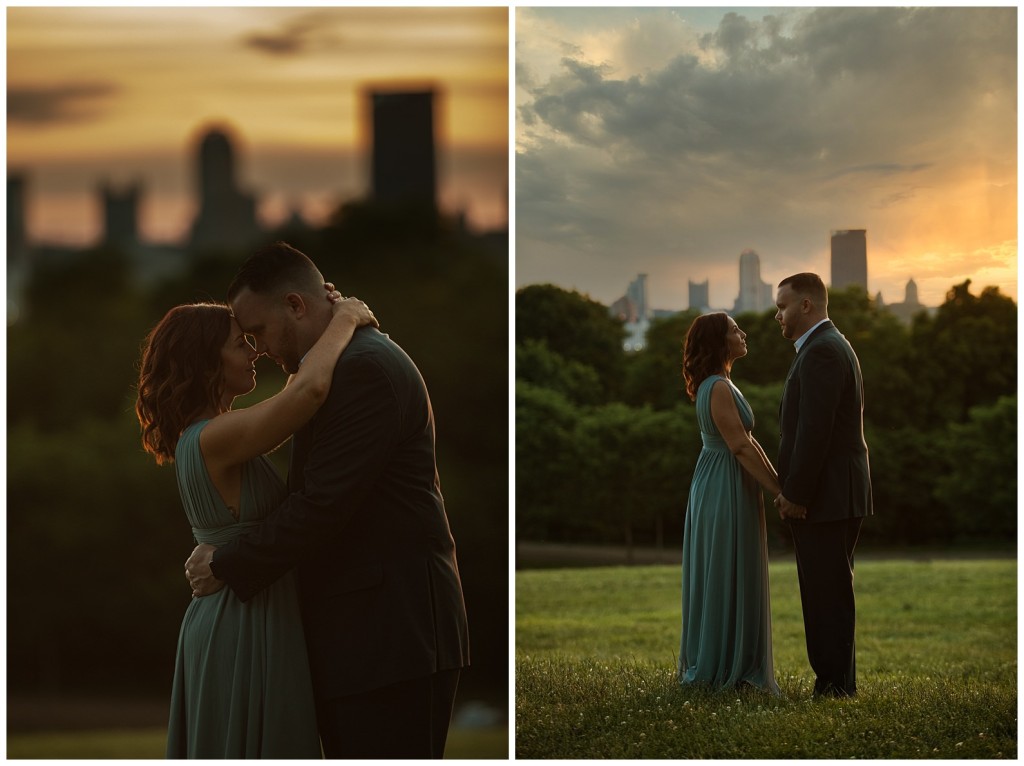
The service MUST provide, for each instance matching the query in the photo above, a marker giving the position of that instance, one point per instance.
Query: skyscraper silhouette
(849, 258)
(755, 295)
(699, 300)
(121, 216)
(911, 305)
(227, 217)
(17, 243)
(910, 295)
(403, 157)
(17, 246)
(637, 292)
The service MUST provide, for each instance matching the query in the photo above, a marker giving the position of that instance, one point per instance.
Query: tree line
(606, 441)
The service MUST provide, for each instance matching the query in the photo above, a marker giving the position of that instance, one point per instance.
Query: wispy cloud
(69, 102)
(308, 32)
(882, 169)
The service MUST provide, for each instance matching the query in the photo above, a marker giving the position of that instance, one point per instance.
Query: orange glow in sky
(122, 92)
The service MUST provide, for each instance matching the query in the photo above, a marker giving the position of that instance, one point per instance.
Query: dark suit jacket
(823, 458)
(365, 523)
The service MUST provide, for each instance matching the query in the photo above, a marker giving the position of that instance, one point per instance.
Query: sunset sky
(122, 93)
(666, 141)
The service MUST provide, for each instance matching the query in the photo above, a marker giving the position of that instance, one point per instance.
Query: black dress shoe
(831, 690)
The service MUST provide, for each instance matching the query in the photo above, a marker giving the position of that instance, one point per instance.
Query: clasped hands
(789, 510)
(198, 572)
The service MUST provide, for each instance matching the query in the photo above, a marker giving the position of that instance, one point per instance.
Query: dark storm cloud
(840, 78)
(70, 102)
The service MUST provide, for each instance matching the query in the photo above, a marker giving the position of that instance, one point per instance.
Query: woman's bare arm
(749, 454)
(236, 436)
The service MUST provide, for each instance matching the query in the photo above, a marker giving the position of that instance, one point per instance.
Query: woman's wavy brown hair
(180, 373)
(706, 350)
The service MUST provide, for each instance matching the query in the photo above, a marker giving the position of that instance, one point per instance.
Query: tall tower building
(755, 295)
(632, 310)
(18, 264)
(637, 293)
(910, 295)
(699, 295)
(121, 216)
(16, 239)
(849, 259)
(403, 157)
(227, 216)
(911, 305)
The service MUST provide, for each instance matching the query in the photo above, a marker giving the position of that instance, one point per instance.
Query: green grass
(114, 743)
(936, 657)
(149, 743)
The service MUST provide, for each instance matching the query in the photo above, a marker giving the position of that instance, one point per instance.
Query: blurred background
(150, 150)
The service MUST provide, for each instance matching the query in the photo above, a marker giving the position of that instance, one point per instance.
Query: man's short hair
(276, 267)
(808, 284)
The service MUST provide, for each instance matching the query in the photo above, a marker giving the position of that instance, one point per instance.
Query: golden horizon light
(121, 93)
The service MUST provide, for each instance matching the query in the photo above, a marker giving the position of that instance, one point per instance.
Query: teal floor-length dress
(242, 685)
(727, 624)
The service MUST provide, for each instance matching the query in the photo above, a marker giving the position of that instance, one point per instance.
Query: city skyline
(737, 304)
(122, 94)
(668, 140)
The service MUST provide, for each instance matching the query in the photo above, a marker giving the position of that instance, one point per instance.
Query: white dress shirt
(803, 338)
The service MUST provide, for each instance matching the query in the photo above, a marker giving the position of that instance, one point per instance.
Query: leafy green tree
(905, 462)
(547, 469)
(671, 444)
(101, 541)
(539, 365)
(575, 327)
(644, 460)
(979, 489)
(73, 354)
(654, 375)
(966, 355)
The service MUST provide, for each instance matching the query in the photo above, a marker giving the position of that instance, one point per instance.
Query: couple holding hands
(822, 489)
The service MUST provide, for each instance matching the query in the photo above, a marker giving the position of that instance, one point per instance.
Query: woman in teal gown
(241, 686)
(727, 630)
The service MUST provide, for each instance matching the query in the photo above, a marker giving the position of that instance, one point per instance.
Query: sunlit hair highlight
(706, 350)
(274, 268)
(180, 374)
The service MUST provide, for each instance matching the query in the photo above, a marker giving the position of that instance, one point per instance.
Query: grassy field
(149, 743)
(936, 657)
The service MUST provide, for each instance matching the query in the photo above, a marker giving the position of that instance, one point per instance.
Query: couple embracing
(327, 615)
(822, 489)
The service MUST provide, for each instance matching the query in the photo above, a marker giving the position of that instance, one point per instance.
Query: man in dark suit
(824, 475)
(365, 525)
